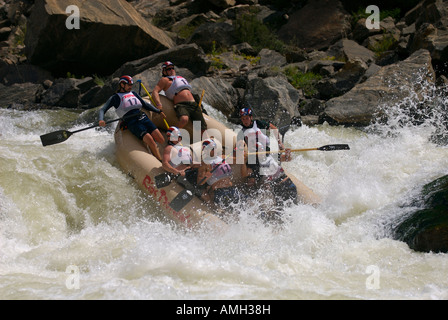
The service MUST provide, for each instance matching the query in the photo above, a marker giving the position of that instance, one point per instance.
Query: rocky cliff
(316, 60)
(294, 62)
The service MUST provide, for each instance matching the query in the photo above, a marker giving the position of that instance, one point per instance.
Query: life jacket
(178, 84)
(270, 170)
(128, 102)
(180, 155)
(254, 135)
(223, 170)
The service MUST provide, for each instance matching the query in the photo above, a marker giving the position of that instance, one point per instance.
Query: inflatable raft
(136, 160)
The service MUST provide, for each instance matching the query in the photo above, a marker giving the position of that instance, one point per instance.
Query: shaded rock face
(426, 229)
(317, 25)
(105, 38)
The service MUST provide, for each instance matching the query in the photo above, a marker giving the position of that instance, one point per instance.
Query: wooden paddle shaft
(282, 151)
(153, 102)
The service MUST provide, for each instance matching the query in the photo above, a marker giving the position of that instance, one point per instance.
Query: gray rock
(50, 44)
(359, 106)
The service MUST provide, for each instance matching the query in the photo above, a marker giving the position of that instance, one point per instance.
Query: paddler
(267, 174)
(252, 130)
(178, 159)
(217, 175)
(178, 90)
(127, 105)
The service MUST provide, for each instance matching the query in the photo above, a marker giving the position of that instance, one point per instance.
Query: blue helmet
(245, 112)
(208, 143)
(173, 133)
(126, 79)
(167, 64)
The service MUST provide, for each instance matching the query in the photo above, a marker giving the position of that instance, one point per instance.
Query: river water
(74, 226)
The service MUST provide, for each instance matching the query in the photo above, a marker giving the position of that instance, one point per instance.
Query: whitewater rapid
(74, 226)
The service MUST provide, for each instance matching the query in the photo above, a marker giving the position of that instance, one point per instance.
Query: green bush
(304, 81)
(248, 28)
(385, 44)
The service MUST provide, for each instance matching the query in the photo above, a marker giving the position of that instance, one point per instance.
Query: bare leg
(157, 136)
(183, 120)
(148, 139)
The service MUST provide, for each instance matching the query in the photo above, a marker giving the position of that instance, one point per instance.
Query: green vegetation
(186, 31)
(385, 44)
(217, 62)
(252, 60)
(248, 28)
(99, 80)
(96, 79)
(361, 13)
(300, 80)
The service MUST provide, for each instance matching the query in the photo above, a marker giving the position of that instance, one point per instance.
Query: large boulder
(18, 95)
(317, 25)
(190, 56)
(218, 93)
(214, 36)
(431, 23)
(426, 228)
(110, 33)
(273, 99)
(359, 106)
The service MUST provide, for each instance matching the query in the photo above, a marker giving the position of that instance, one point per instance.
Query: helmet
(173, 133)
(245, 112)
(208, 144)
(126, 79)
(167, 64)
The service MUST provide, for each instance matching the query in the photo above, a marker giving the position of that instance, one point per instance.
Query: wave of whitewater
(74, 226)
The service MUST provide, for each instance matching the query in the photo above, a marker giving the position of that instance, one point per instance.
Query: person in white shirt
(178, 90)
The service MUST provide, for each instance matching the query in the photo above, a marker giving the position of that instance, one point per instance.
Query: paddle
(62, 135)
(200, 100)
(152, 100)
(186, 195)
(164, 179)
(330, 147)
(283, 131)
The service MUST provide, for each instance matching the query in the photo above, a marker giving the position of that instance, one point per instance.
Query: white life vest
(128, 102)
(223, 171)
(180, 155)
(178, 84)
(254, 135)
(270, 169)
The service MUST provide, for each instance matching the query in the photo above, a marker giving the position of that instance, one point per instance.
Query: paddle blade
(333, 147)
(181, 200)
(55, 137)
(164, 179)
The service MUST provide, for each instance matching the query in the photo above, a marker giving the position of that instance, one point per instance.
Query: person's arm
(203, 172)
(285, 157)
(245, 171)
(155, 93)
(166, 163)
(146, 105)
(109, 104)
(277, 136)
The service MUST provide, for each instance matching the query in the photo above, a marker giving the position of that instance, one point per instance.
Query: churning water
(74, 226)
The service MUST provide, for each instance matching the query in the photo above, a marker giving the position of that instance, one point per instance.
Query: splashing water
(68, 211)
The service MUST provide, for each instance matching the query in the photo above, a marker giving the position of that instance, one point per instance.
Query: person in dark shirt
(127, 104)
(252, 130)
